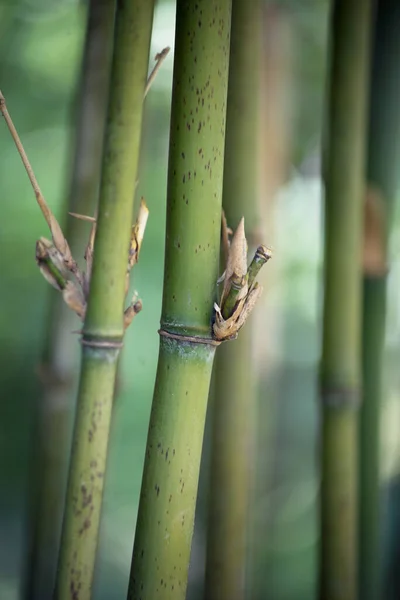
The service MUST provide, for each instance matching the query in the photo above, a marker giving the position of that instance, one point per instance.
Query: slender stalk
(170, 479)
(234, 396)
(382, 173)
(103, 327)
(56, 371)
(340, 364)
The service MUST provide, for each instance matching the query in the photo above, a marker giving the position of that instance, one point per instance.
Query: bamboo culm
(341, 349)
(382, 177)
(103, 327)
(169, 488)
(233, 398)
(58, 362)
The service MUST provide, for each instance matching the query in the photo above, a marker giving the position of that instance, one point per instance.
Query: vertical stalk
(103, 327)
(55, 409)
(234, 391)
(382, 174)
(340, 364)
(170, 479)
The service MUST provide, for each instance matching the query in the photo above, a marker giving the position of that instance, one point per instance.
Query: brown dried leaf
(133, 309)
(237, 260)
(137, 234)
(374, 251)
(73, 297)
(229, 328)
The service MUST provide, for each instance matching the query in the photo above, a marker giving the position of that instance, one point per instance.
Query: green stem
(340, 364)
(382, 173)
(234, 400)
(237, 284)
(54, 410)
(170, 479)
(261, 256)
(103, 328)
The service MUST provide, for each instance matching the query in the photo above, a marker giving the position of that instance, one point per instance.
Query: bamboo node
(189, 338)
(93, 343)
(340, 397)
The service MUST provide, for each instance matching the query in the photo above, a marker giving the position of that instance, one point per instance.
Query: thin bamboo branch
(103, 328)
(341, 352)
(168, 497)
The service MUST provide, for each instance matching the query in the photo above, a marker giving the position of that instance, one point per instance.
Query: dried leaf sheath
(240, 291)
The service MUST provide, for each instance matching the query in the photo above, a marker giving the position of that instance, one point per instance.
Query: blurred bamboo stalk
(170, 479)
(341, 348)
(233, 397)
(276, 92)
(56, 371)
(103, 328)
(383, 179)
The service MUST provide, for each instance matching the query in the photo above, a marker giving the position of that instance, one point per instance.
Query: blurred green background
(41, 45)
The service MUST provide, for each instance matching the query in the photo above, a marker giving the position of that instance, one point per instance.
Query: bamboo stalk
(168, 497)
(382, 174)
(53, 427)
(103, 327)
(233, 401)
(340, 364)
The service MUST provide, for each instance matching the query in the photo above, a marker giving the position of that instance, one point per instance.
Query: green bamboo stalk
(340, 364)
(53, 428)
(169, 488)
(234, 397)
(103, 327)
(382, 173)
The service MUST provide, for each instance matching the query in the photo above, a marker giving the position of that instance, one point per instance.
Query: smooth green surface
(171, 471)
(104, 320)
(370, 557)
(196, 163)
(341, 344)
(122, 145)
(383, 172)
(163, 538)
(233, 406)
(86, 477)
(228, 518)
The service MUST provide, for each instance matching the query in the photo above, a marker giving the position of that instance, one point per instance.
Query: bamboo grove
(206, 398)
